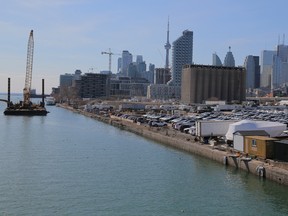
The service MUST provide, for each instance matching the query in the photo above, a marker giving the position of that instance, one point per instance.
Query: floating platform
(37, 95)
(26, 112)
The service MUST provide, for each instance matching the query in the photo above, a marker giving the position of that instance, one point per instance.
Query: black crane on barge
(26, 107)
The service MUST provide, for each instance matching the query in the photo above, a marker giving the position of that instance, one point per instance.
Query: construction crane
(110, 54)
(26, 107)
(28, 77)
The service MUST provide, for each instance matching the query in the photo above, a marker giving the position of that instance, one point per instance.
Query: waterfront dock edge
(256, 167)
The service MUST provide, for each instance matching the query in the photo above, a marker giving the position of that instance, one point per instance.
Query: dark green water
(68, 164)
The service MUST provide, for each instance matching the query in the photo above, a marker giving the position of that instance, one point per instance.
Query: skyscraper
(141, 67)
(252, 67)
(139, 59)
(274, 67)
(216, 60)
(282, 52)
(229, 59)
(266, 67)
(132, 70)
(126, 60)
(280, 63)
(182, 54)
(276, 76)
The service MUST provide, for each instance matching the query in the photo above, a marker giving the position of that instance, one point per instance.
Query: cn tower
(167, 47)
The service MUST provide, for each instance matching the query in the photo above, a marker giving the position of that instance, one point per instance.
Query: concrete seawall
(255, 167)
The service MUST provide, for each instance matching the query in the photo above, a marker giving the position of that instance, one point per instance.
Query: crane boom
(29, 64)
(110, 55)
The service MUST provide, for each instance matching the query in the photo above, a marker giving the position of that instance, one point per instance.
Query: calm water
(68, 164)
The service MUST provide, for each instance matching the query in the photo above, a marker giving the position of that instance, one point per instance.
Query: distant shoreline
(3, 93)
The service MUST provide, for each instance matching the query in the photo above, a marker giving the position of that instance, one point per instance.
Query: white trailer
(227, 107)
(212, 128)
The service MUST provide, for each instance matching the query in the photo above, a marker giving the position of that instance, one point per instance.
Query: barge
(26, 107)
(26, 112)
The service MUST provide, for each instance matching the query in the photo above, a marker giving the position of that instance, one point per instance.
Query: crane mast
(29, 64)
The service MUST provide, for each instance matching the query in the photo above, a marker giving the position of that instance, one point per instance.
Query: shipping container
(281, 150)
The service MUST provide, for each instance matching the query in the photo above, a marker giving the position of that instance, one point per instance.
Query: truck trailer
(212, 128)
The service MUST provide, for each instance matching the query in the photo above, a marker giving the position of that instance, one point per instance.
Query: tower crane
(29, 63)
(110, 54)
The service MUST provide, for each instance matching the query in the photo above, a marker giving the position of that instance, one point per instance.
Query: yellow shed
(260, 146)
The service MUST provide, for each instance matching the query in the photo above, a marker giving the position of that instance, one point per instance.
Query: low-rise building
(260, 146)
(163, 92)
(239, 138)
(128, 87)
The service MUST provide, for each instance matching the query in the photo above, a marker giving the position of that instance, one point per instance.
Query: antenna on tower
(283, 39)
(167, 47)
(168, 22)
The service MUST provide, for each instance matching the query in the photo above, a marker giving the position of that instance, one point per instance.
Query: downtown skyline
(71, 34)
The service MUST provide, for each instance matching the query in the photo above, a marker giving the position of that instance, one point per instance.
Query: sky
(71, 34)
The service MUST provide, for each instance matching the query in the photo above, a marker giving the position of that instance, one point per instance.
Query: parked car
(140, 119)
(186, 125)
(167, 118)
(158, 124)
(179, 124)
(191, 130)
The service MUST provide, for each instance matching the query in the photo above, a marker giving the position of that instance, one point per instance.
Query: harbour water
(68, 164)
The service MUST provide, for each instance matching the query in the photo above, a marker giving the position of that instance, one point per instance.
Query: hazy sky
(71, 34)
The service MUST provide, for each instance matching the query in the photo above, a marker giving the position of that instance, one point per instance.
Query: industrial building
(202, 82)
